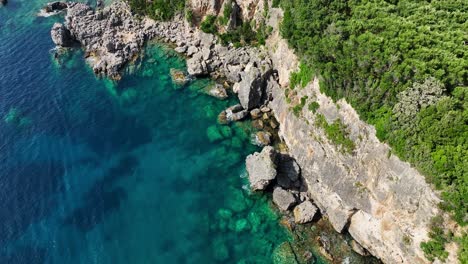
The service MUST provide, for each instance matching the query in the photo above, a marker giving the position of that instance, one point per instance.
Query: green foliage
(435, 248)
(336, 133)
(403, 67)
(302, 77)
(298, 108)
(209, 24)
(463, 252)
(226, 13)
(313, 107)
(157, 9)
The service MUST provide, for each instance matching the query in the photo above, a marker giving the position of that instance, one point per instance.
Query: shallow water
(135, 172)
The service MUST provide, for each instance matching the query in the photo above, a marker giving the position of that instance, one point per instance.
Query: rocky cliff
(383, 202)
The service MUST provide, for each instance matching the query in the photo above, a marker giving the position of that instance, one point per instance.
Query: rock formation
(261, 168)
(61, 35)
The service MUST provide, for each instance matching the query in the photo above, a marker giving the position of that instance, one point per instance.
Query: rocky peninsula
(381, 201)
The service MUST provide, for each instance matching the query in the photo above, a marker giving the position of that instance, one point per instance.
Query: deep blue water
(97, 172)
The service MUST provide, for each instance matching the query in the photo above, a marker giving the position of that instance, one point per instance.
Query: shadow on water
(103, 197)
(26, 196)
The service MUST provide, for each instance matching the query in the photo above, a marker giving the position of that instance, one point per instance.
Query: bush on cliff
(157, 9)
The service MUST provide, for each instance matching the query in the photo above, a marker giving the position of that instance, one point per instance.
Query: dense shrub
(157, 9)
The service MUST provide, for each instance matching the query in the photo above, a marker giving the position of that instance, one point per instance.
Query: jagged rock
(304, 212)
(219, 92)
(258, 124)
(60, 35)
(196, 66)
(261, 168)
(283, 199)
(181, 49)
(358, 248)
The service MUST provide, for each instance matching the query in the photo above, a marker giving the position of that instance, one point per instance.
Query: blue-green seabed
(97, 172)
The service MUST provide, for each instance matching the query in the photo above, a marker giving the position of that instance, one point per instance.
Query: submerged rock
(304, 212)
(283, 199)
(178, 77)
(261, 168)
(218, 91)
(3, 2)
(284, 254)
(262, 138)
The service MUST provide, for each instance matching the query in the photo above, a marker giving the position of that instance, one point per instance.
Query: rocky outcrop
(61, 35)
(261, 168)
(111, 37)
(283, 199)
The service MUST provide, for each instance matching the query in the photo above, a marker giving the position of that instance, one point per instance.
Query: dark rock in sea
(61, 35)
(261, 168)
(55, 7)
(283, 199)
(3, 2)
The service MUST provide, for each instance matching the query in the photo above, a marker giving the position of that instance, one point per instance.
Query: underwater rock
(178, 77)
(283, 199)
(218, 91)
(220, 250)
(3, 2)
(284, 254)
(261, 168)
(236, 201)
(304, 212)
(242, 225)
(214, 134)
(61, 35)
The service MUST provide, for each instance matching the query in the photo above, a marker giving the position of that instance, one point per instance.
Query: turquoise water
(135, 172)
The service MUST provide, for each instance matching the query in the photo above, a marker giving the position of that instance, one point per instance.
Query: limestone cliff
(383, 202)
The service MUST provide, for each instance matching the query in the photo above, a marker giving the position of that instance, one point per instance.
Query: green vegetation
(336, 133)
(209, 25)
(226, 13)
(313, 107)
(403, 67)
(298, 108)
(435, 247)
(302, 77)
(157, 9)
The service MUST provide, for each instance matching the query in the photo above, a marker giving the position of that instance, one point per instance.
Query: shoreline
(257, 77)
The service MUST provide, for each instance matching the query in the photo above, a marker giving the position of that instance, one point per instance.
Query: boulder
(192, 50)
(252, 88)
(261, 168)
(235, 113)
(255, 113)
(304, 212)
(283, 199)
(61, 36)
(262, 138)
(196, 66)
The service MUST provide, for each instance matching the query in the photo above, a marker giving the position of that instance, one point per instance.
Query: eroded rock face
(61, 35)
(261, 168)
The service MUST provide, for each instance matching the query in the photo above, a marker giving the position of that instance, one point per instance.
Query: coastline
(259, 76)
